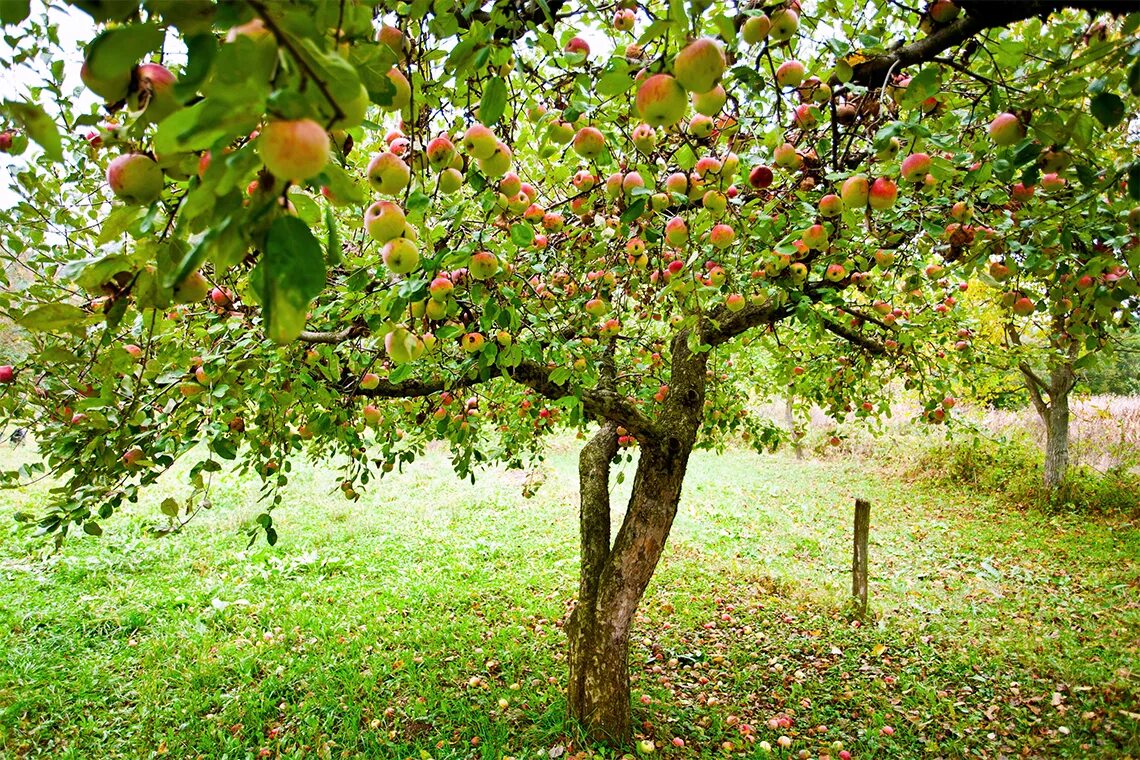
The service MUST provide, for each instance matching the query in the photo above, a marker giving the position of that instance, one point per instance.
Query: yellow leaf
(878, 649)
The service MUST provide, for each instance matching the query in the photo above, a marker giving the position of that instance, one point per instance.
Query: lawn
(425, 621)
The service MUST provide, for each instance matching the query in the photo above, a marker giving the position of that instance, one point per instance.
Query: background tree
(335, 230)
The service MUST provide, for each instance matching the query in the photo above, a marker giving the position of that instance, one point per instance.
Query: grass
(425, 620)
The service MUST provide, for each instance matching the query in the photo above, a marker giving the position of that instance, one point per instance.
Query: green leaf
(116, 51)
(14, 11)
(614, 83)
(169, 507)
(201, 49)
(635, 210)
(39, 127)
(1134, 180)
(1134, 76)
(522, 234)
(1108, 109)
(290, 274)
(92, 528)
(52, 317)
(493, 102)
(332, 238)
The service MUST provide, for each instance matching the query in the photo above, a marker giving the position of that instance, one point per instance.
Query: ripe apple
(884, 258)
(786, 156)
(914, 167)
(450, 180)
(755, 29)
(784, 24)
(369, 381)
(883, 194)
(830, 205)
(631, 182)
(798, 272)
(943, 11)
(400, 255)
(644, 138)
(472, 342)
(294, 150)
(403, 95)
(384, 220)
(596, 307)
(479, 141)
(132, 456)
(624, 19)
(676, 231)
(154, 93)
(221, 298)
(700, 126)
(1021, 193)
(589, 142)
(1024, 306)
(403, 346)
(440, 152)
(1006, 130)
(578, 45)
(387, 173)
(803, 117)
(393, 38)
(855, 192)
(699, 65)
(484, 265)
(709, 103)
(760, 177)
(498, 163)
(135, 178)
(721, 235)
(735, 302)
(661, 101)
(1052, 182)
(6, 141)
(999, 271)
(815, 237)
(790, 74)
(7, 374)
(192, 289)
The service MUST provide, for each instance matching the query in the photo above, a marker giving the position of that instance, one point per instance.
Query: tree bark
(1054, 414)
(790, 421)
(613, 580)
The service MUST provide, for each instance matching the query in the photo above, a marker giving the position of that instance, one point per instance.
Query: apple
(644, 138)
(596, 307)
(498, 163)
(790, 74)
(221, 298)
(623, 19)
(1021, 193)
(830, 205)
(677, 183)
(1006, 130)
(883, 194)
(798, 272)
(721, 235)
(760, 177)
(5, 141)
(999, 271)
(815, 237)
(132, 456)
(578, 45)
(943, 11)
(661, 101)
(403, 95)
(735, 302)
(855, 192)
(192, 289)
(699, 66)
(510, 184)
(914, 167)
(387, 173)
(440, 152)
(700, 126)
(631, 182)
(484, 265)
(450, 180)
(472, 342)
(294, 150)
(589, 142)
(786, 156)
(610, 328)
(393, 38)
(479, 141)
(154, 93)
(784, 24)
(709, 103)
(384, 220)
(755, 29)
(135, 178)
(803, 117)
(1052, 182)
(403, 346)
(552, 222)
(676, 231)
(1024, 306)
(646, 747)
(369, 381)
(400, 255)
(7, 374)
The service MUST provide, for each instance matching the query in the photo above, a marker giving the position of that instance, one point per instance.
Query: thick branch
(338, 336)
(599, 403)
(867, 344)
(979, 16)
(722, 325)
(1034, 384)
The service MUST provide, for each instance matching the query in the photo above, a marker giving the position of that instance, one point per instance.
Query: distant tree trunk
(790, 421)
(613, 579)
(1050, 396)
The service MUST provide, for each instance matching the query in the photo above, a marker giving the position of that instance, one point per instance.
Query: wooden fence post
(859, 556)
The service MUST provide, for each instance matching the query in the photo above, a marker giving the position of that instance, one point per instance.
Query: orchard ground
(424, 621)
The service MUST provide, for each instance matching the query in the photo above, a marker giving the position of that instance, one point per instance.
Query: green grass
(395, 625)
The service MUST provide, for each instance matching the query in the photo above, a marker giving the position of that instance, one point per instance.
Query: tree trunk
(1057, 429)
(790, 421)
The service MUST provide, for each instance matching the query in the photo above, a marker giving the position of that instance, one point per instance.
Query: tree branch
(867, 344)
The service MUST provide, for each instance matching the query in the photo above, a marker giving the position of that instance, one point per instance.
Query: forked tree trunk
(613, 581)
(1054, 414)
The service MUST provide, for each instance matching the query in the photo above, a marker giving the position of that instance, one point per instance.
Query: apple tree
(266, 229)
